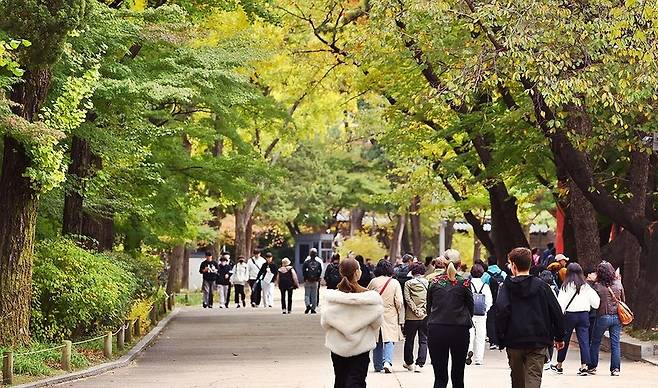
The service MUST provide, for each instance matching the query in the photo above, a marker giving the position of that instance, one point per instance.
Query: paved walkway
(263, 348)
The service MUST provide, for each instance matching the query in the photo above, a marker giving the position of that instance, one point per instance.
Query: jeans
(478, 336)
(224, 294)
(254, 297)
(382, 353)
(613, 326)
(208, 291)
(410, 330)
(580, 322)
(350, 372)
(527, 367)
(283, 299)
(239, 293)
(311, 294)
(448, 342)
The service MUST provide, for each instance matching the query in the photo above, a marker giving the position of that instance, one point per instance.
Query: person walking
(576, 298)
(528, 320)
(547, 277)
(351, 317)
(610, 290)
(332, 273)
(450, 309)
(239, 279)
(482, 302)
(224, 280)
(493, 277)
(415, 297)
(391, 331)
(208, 269)
(255, 264)
(312, 273)
(287, 282)
(266, 278)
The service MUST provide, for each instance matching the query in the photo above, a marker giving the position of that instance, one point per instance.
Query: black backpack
(495, 280)
(312, 270)
(332, 276)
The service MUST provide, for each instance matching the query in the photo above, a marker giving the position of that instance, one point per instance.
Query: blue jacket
(493, 269)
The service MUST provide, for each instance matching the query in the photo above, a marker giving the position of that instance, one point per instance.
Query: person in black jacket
(224, 273)
(332, 274)
(528, 321)
(366, 274)
(208, 269)
(267, 278)
(450, 310)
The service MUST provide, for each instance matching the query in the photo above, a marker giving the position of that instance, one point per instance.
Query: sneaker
(313, 311)
(205, 306)
(547, 366)
(237, 306)
(419, 368)
(478, 363)
(614, 372)
(582, 372)
(221, 307)
(494, 347)
(244, 304)
(591, 371)
(209, 306)
(469, 358)
(284, 312)
(308, 310)
(557, 369)
(253, 304)
(408, 367)
(388, 368)
(289, 311)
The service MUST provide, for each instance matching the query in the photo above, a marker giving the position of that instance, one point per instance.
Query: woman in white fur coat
(351, 317)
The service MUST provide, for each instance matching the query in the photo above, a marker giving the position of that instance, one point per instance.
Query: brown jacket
(608, 304)
(393, 308)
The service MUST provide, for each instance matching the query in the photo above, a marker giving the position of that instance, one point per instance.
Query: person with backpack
(351, 317)
(332, 274)
(528, 320)
(287, 282)
(312, 273)
(255, 263)
(493, 277)
(576, 299)
(415, 298)
(482, 302)
(366, 272)
(391, 329)
(402, 272)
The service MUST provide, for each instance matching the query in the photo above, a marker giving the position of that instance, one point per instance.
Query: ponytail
(349, 283)
(451, 272)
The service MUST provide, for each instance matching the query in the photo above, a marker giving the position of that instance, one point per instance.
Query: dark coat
(450, 303)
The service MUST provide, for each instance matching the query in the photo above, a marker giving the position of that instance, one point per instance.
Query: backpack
(332, 276)
(479, 301)
(312, 270)
(495, 280)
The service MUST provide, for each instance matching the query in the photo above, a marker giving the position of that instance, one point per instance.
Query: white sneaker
(410, 368)
(418, 368)
(388, 368)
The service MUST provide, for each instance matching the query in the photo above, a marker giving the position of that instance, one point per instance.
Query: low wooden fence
(124, 334)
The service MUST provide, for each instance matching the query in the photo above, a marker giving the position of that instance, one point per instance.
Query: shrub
(146, 269)
(76, 292)
(364, 245)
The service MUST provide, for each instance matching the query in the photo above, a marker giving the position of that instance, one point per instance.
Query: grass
(193, 299)
(643, 335)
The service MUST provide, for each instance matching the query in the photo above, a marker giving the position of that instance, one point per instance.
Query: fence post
(121, 337)
(138, 327)
(164, 307)
(130, 331)
(8, 368)
(154, 315)
(172, 301)
(66, 356)
(107, 346)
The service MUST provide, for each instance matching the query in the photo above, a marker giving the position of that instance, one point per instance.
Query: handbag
(626, 316)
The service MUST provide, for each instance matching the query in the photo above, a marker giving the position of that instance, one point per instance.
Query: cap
(560, 256)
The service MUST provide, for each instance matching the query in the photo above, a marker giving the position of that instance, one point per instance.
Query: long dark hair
(574, 275)
(350, 282)
(605, 274)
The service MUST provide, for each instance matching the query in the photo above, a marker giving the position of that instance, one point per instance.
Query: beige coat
(393, 308)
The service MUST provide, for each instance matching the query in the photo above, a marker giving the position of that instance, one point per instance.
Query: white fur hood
(351, 320)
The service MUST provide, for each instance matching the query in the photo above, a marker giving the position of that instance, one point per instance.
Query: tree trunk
(477, 250)
(450, 232)
(585, 226)
(646, 307)
(243, 216)
(176, 260)
(185, 278)
(250, 235)
(19, 203)
(356, 220)
(396, 240)
(506, 230)
(406, 243)
(416, 232)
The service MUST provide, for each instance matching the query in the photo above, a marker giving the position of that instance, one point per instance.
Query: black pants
(253, 297)
(239, 293)
(350, 372)
(448, 341)
(283, 299)
(491, 326)
(411, 328)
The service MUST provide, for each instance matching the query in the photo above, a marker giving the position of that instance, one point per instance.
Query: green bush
(146, 269)
(77, 293)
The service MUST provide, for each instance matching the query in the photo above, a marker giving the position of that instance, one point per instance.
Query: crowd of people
(528, 307)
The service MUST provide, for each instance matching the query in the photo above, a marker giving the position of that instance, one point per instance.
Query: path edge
(108, 366)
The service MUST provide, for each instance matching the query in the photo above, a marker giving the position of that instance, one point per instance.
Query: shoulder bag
(626, 316)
